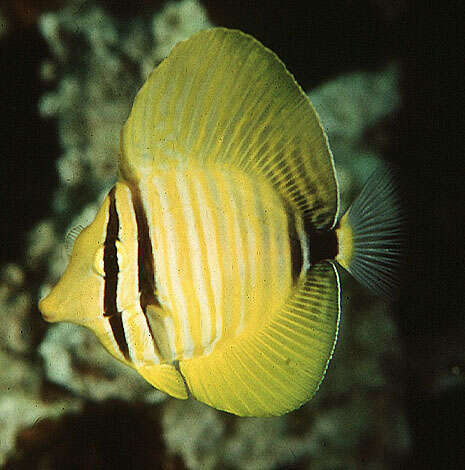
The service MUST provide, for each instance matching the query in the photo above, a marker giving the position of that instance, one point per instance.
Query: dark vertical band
(145, 263)
(323, 244)
(295, 247)
(111, 269)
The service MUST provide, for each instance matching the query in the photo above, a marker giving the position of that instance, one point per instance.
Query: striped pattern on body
(129, 335)
(197, 270)
(221, 254)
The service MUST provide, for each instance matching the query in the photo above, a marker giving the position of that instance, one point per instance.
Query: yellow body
(346, 242)
(221, 254)
(197, 269)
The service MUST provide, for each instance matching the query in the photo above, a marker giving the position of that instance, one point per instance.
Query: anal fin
(166, 378)
(279, 367)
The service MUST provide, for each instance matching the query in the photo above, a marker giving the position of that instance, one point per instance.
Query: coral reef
(348, 107)
(74, 360)
(99, 63)
(22, 402)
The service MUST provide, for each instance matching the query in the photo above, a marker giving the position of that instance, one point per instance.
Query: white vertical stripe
(126, 249)
(172, 255)
(139, 339)
(234, 192)
(247, 212)
(274, 232)
(149, 197)
(128, 282)
(195, 248)
(299, 226)
(217, 191)
(263, 257)
(214, 267)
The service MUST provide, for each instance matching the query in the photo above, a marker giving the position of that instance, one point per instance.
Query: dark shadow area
(28, 147)
(109, 435)
(429, 145)
(317, 40)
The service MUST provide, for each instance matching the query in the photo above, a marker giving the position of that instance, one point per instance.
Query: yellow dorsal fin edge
(222, 98)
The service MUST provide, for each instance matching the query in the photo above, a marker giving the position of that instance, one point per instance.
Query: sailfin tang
(371, 235)
(222, 98)
(279, 367)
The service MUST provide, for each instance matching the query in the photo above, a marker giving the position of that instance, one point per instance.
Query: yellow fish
(211, 266)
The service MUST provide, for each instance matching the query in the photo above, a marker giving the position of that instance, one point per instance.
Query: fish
(212, 265)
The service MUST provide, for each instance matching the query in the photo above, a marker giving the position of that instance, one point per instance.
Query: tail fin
(371, 235)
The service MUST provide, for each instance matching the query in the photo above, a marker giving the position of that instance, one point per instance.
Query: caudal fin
(371, 235)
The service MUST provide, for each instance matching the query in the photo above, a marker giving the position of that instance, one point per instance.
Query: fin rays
(279, 366)
(222, 98)
(372, 235)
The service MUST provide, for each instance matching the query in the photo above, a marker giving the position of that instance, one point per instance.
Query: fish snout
(46, 309)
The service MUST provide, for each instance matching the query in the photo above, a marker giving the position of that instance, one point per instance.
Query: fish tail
(371, 235)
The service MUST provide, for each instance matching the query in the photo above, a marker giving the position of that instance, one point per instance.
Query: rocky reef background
(383, 79)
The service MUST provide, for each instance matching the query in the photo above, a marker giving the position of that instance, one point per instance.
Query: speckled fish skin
(210, 267)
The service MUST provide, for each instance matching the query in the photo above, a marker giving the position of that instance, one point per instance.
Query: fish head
(78, 297)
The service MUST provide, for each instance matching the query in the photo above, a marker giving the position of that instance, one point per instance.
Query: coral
(74, 359)
(21, 378)
(348, 107)
(177, 22)
(19, 410)
(15, 333)
(99, 63)
(185, 424)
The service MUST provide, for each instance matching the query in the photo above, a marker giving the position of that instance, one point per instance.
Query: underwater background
(384, 77)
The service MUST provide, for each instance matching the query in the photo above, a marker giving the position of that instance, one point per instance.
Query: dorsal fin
(222, 98)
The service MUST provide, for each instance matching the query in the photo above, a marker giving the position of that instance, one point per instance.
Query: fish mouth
(45, 310)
